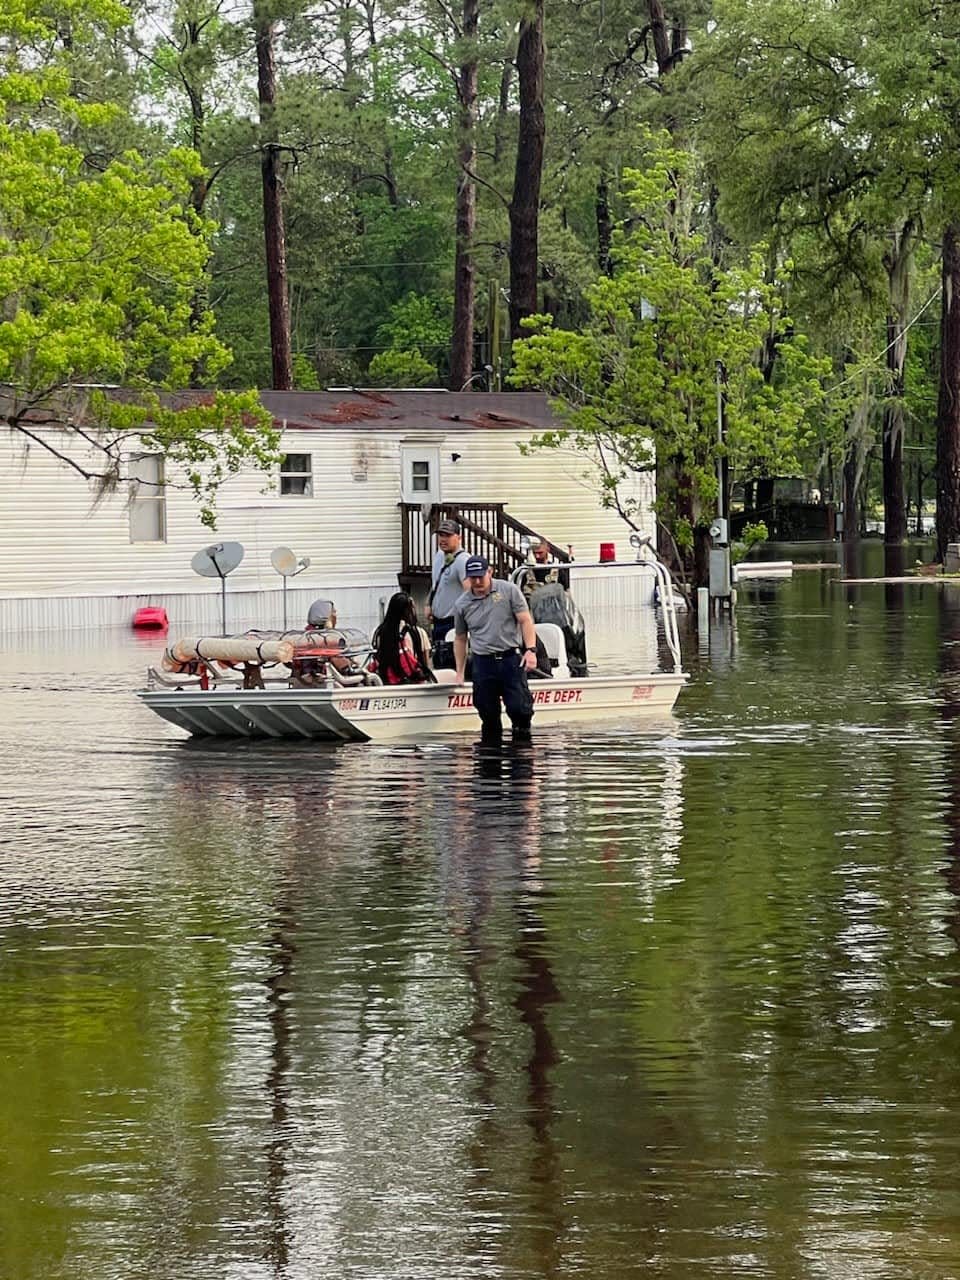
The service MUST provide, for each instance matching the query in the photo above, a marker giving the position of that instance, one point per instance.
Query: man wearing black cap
(449, 580)
(503, 644)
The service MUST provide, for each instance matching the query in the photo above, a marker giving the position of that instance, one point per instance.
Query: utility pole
(493, 322)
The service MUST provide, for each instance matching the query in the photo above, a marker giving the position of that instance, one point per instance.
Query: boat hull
(374, 714)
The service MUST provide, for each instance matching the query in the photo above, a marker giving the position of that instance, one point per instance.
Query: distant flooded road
(678, 1004)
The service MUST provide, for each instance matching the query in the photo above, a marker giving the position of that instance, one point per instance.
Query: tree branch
(483, 183)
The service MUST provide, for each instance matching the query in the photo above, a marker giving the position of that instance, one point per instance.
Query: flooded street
(680, 1003)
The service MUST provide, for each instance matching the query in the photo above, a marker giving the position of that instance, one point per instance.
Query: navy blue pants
(496, 679)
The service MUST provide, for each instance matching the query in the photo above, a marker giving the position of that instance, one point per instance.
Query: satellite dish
(284, 561)
(218, 560)
(288, 566)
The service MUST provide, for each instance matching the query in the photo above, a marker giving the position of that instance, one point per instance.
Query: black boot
(521, 732)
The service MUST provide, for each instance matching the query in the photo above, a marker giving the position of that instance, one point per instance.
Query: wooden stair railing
(487, 530)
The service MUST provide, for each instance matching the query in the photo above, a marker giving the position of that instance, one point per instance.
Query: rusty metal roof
(412, 410)
(372, 410)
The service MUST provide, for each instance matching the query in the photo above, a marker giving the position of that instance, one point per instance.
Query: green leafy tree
(98, 271)
(418, 322)
(639, 381)
(401, 369)
(841, 121)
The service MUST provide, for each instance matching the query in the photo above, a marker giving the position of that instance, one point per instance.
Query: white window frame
(286, 473)
(414, 459)
(148, 494)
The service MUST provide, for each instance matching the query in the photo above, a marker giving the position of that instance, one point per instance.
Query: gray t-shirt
(491, 620)
(448, 580)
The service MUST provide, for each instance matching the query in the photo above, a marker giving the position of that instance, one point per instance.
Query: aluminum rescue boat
(296, 685)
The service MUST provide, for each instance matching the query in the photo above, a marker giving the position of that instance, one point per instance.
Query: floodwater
(681, 1003)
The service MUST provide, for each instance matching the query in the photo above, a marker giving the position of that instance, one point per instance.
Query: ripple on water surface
(676, 1003)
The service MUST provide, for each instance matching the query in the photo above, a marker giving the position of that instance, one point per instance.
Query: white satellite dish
(287, 565)
(218, 560)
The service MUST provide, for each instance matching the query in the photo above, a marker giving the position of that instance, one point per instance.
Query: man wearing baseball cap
(503, 645)
(448, 582)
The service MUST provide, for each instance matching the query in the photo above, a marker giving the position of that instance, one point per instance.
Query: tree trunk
(701, 558)
(388, 176)
(503, 108)
(273, 229)
(764, 502)
(199, 183)
(851, 499)
(948, 402)
(897, 261)
(464, 283)
(661, 37)
(604, 226)
(525, 205)
(666, 470)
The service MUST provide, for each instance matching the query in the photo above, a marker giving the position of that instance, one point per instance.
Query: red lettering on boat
(541, 697)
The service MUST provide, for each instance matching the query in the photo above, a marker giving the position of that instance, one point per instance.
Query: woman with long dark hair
(398, 647)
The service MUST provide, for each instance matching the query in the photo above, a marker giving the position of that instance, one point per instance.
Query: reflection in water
(281, 952)
(479, 813)
(625, 1004)
(949, 617)
(539, 991)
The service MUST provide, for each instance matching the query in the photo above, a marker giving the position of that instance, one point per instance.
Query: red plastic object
(608, 552)
(151, 616)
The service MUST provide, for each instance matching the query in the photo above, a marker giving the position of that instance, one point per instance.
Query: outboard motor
(550, 603)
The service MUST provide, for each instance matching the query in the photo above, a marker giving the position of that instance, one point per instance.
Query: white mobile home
(363, 473)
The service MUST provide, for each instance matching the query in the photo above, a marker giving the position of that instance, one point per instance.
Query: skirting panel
(199, 610)
(596, 589)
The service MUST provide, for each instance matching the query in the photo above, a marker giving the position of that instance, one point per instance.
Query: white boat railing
(645, 556)
(668, 601)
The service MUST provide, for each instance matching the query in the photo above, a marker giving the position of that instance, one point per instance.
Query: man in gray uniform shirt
(503, 645)
(448, 580)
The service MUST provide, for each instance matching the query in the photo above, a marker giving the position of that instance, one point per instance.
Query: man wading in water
(503, 647)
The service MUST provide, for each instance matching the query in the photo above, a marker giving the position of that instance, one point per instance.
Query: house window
(148, 500)
(296, 474)
(419, 473)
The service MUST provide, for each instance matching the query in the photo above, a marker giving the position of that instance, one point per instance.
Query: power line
(877, 358)
(362, 266)
(414, 346)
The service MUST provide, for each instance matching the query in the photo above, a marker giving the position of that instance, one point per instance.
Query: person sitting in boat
(546, 570)
(322, 617)
(547, 588)
(400, 655)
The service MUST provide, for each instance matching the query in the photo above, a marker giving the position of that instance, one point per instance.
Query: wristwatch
(529, 650)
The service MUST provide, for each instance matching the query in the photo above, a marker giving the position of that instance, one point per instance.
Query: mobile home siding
(58, 543)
